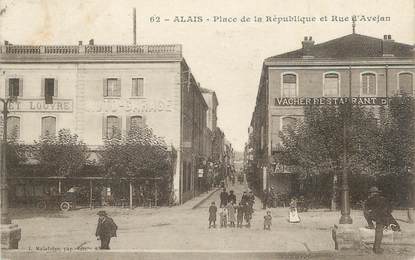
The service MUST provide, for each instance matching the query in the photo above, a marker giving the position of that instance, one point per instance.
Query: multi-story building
(212, 118)
(96, 90)
(353, 65)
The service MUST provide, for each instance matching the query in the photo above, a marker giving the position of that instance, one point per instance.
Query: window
(13, 127)
(368, 87)
(288, 122)
(331, 85)
(289, 85)
(136, 122)
(112, 87)
(15, 87)
(406, 83)
(137, 89)
(113, 127)
(48, 125)
(50, 87)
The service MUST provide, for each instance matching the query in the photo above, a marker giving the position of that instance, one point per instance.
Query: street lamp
(345, 200)
(10, 234)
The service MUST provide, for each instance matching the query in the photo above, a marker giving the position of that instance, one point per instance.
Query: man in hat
(378, 209)
(106, 229)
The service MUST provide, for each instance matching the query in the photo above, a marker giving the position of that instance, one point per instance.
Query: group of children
(243, 210)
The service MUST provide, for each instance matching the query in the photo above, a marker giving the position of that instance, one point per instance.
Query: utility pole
(10, 233)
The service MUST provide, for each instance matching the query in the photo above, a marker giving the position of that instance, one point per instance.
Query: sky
(224, 56)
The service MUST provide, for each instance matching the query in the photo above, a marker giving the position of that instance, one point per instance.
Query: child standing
(239, 215)
(212, 215)
(231, 213)
(267, 221)
(223, 220)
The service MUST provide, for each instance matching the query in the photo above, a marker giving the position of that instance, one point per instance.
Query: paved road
(178, 231)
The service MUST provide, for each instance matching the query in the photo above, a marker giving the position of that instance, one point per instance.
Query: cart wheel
(41, 204)
(65, 206)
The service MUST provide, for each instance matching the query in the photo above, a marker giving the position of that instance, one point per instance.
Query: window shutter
(55, 88)
(104, 127)
(119, 130)
(118, 89)
(20, 87)
(128, 122)
(42, 88)
(6, 87)
(104, 88)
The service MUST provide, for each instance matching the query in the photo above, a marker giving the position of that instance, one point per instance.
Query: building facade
(98, 90)
(359, 66)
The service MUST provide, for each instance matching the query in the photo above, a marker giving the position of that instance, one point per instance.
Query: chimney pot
(6, 42)
(390, 37)
(310, 38)
(385, 37)
(387, 46)
(305, 38)
(80, 43)
(91, 42)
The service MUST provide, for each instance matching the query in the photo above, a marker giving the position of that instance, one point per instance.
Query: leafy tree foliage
(140, 154)
(315, 146)
(62, 154)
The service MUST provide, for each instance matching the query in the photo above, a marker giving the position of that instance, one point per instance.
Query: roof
(350, 46)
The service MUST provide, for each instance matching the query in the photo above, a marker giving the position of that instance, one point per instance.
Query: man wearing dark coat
(378, 209)
(223, 198)
(106, 229)
(231, 197)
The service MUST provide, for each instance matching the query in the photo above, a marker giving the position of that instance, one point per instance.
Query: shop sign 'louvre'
(321, 101)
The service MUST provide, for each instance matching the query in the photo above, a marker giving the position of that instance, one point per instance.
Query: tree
(16, 152)
(61, 155)
(315, 145)
(396, 158)
(140, 154)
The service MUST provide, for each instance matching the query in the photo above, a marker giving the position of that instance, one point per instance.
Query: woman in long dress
(293, 214)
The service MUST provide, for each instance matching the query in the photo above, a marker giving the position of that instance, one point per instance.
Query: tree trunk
(334, 193)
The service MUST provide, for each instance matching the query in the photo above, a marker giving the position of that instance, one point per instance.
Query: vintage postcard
(179, 129)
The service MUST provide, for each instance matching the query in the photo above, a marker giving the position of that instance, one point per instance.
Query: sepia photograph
(180, 129)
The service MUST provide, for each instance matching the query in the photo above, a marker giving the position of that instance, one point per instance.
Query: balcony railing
(157, 50)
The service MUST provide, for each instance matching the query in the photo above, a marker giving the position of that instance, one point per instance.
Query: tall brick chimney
(308, 43)
(387, 46)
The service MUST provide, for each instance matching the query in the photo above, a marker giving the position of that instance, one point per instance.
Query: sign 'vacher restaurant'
(321, 101)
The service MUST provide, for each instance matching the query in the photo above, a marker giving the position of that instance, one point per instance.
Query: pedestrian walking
(106, 229)
(231, 213)
(293, 213)
(377, 208)
(247, 214)
(244, 198)
(223, 198)
(223, 220)
(232, 197)
(267, 220)
(239, 215)
(212, 215)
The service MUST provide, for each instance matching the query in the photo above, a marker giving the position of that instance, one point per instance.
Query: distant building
(366, 66)
(98, 90)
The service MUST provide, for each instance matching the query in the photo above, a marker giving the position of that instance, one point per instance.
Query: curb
(205, 199)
